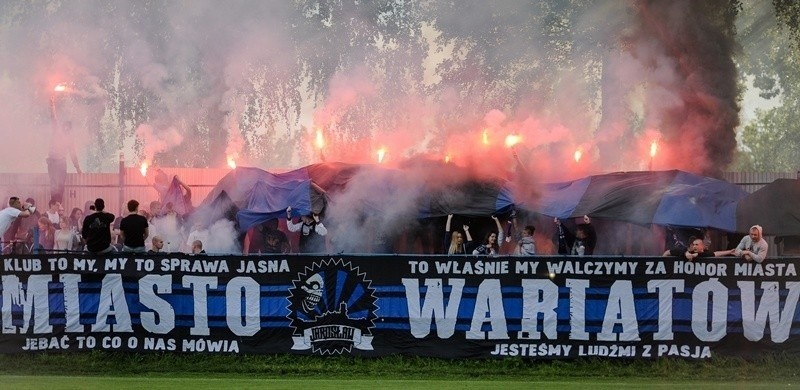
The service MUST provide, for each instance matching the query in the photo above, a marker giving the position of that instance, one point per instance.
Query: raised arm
(500, 232)
(293, 227)
(466, 233)
(185, 187)
(319, 228)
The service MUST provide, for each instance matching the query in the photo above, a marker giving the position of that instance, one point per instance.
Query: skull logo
(313, 288)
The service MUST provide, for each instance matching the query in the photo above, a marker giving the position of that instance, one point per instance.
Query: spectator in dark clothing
(197, 248)
(455, 244)
(275, 241)
(681, 238)
(490, 245)
(96, 229)
(697, 248)
(47, 234)
(266, 238)
(133, 229)
(580, 243)
(158, 245)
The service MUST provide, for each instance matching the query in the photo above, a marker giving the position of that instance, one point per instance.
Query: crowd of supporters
(26, 228)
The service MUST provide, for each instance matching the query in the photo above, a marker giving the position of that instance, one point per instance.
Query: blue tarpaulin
(672, 198)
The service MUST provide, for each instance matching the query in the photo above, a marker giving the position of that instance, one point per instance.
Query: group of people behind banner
(162, 228)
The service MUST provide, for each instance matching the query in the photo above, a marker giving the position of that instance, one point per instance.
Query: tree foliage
(771, 141)
(252, 73)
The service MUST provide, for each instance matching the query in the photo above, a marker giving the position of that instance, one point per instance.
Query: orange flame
(231, 162)
(381, 154)
(60, 88)
(143, 168)
(319, 142)
(578, 155)
(512, 139)
(485, 136)
(447, 159)
(653, 148)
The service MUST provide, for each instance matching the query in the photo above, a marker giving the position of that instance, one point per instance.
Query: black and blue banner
(454, 307)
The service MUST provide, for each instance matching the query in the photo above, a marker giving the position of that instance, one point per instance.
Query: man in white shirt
(14, 210)
(312, 232)
(54, 212)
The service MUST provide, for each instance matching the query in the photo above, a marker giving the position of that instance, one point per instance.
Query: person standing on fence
(61, 145)
(133, 229)
(96, 229)
(14, 210)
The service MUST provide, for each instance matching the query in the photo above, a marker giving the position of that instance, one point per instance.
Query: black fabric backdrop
(453, 307)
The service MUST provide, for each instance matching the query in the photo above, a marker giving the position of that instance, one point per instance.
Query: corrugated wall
(753, 181)
(81, 188)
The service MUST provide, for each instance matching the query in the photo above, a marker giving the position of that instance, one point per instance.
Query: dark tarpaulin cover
(443, 189)
(222, 207)
(673, 198)
(774, 207)
(467, 199)
(334, 176)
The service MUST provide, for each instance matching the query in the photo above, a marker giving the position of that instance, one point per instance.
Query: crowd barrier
(365, 305)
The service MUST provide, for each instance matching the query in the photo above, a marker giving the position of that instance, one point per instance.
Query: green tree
(771, 141)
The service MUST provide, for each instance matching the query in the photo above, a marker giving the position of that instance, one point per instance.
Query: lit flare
(60, 88)
(231, 162)
(512, 139)
(578, 155)
(319, 141)
(485, 136)
(381, 154)
(653, 148)
(143, 168)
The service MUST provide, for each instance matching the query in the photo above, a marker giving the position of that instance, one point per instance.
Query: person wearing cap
(753, 247)
(96, 229)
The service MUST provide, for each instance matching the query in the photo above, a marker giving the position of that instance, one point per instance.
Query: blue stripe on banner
(364, 298)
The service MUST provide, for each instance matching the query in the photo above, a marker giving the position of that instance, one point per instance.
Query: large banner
(455, 307)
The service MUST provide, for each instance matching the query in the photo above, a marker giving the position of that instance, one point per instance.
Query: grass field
(82, 382)
(196, 372)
